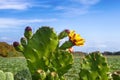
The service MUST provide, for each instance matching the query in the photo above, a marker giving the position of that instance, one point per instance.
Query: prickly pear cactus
(44, 56)
(9, 76)
(2, 75)
(62, 62)
(6, 75)
(115, 75)
(39, 48)
(94, 67)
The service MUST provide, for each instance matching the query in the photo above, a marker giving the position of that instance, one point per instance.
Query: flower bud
(67, 31)
(53, 76)
(28, 32)
(42, 74)
(23, 41)
(18, 47)
(15, 44)
(63, 34)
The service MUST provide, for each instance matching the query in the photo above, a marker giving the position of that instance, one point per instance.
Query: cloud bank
(10, 22)
(14, 4)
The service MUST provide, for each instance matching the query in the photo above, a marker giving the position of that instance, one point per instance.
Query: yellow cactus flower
(76, 39)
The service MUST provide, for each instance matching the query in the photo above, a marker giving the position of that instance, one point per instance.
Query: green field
(113, 62)
(18, 66)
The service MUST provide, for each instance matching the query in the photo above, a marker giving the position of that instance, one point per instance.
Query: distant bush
(111, 53)
(7, 50)
(78, 53)
(117, 53)
(16, 65)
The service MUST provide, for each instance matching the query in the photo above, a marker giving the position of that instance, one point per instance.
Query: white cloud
(22, 4)
(101, 46)
(87, 2)
(71, 11)
(91, 46)
(14, 4)
(75, 11)
(79, 7)
(4, 38)
(7, 22)
(7, 39)
(96, 44)
(37, 20)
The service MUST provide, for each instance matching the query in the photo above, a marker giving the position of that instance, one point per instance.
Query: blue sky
(98, 21)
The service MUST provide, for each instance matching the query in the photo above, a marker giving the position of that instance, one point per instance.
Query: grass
(18, 66)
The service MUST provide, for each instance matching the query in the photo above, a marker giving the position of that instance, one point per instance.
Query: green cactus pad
(42, 52)
(116, 75)
(62, 61)
(94, 67)
(9, 76)
(2, 75)
(42, 43)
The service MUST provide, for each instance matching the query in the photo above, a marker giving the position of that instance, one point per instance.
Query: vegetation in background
(17, 66)
(7, 50)
(6, 75)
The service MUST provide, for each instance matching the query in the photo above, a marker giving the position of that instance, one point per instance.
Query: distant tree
(117, 53)
(107, 53)
(96, 52)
